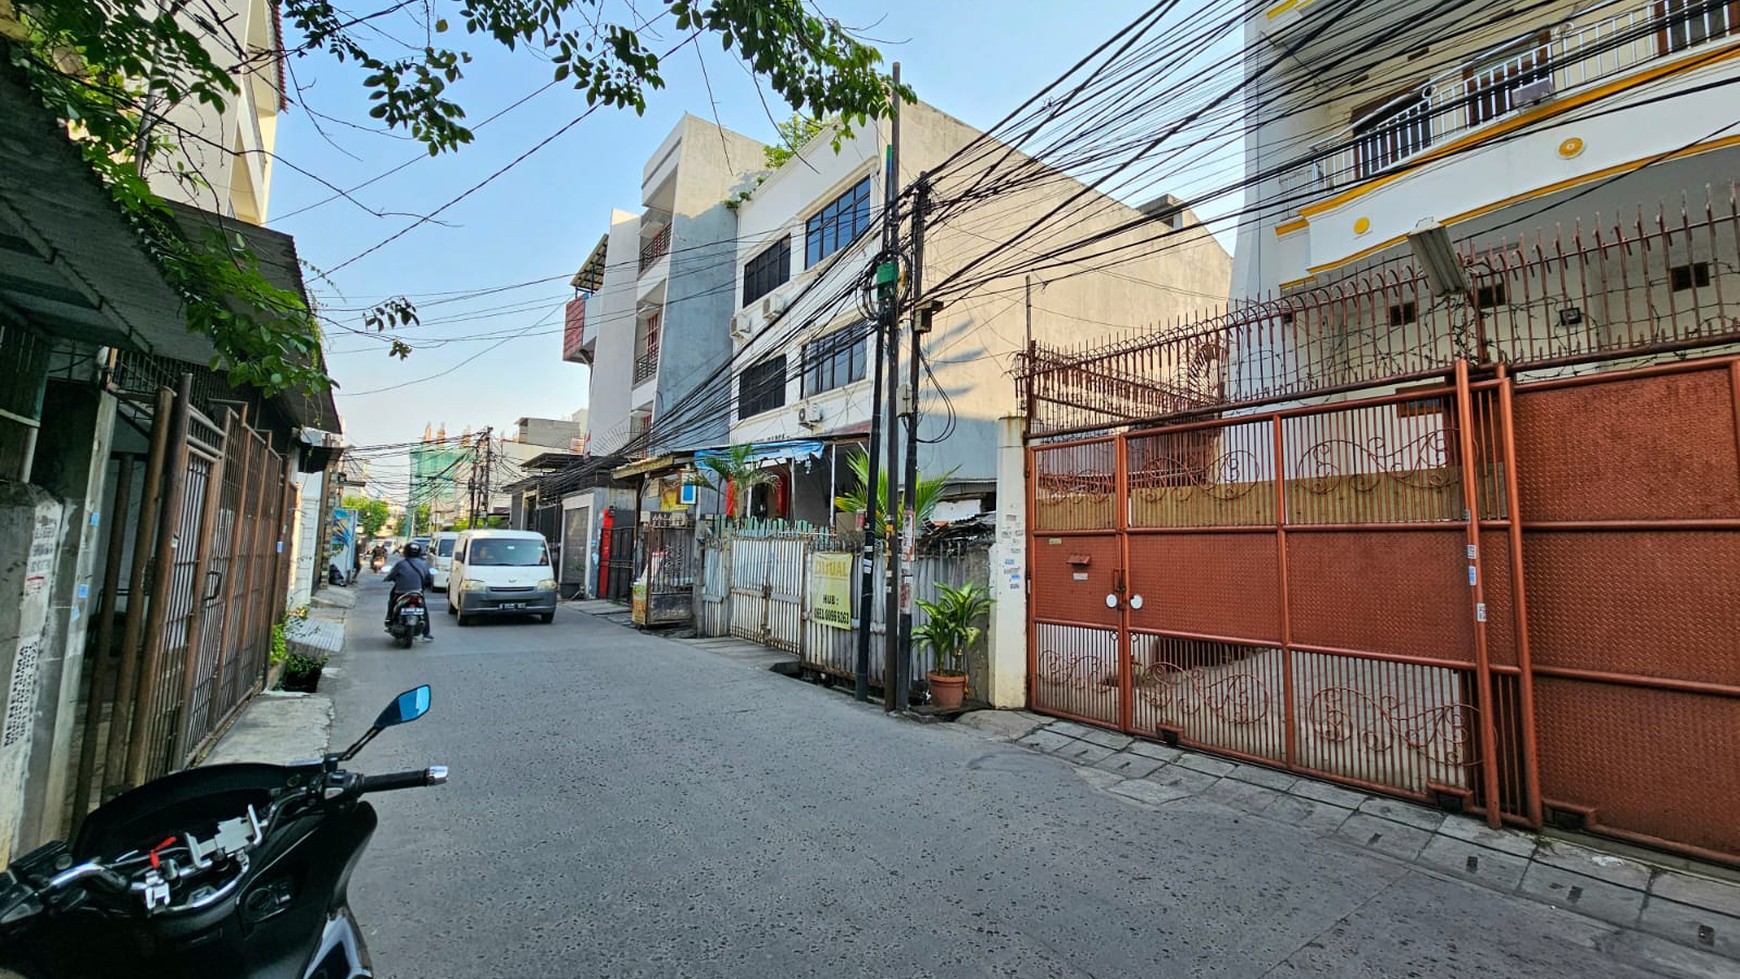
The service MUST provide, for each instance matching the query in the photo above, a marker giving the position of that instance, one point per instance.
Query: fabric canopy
(771, 451)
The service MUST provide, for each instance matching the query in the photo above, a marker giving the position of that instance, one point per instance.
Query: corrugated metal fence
(757, 581)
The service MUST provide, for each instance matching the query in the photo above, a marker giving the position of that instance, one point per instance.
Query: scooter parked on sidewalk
(410, 618)
(232, 871)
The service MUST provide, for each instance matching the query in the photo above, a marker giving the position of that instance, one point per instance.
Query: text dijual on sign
(831, 590)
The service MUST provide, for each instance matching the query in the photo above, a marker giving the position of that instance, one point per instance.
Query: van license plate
(513, 605)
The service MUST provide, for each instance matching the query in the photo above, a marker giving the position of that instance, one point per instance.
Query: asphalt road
(621, 805)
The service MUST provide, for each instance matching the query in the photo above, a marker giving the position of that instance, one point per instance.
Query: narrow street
(623, 805)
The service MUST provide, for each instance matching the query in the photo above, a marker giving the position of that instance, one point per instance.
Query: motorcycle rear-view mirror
(403, 709)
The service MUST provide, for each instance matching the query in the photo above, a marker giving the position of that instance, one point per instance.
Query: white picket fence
(754, 583)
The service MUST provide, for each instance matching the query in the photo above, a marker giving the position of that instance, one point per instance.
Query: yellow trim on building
(1552, 188)
(1281, 8)
(1728, 52)
(1288, 227)
(1296, 283)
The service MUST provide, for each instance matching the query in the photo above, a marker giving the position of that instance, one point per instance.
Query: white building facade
(802, 376)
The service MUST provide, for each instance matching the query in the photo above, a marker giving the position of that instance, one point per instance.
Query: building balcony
(577, 346)
(654, 248)
(1526, 75)
(1619, 90)
(646, 367)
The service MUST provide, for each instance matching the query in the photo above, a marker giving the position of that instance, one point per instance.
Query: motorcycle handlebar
(433, 775)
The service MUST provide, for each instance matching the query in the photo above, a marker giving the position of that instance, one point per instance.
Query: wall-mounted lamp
(1438, 259)
(1570, 316)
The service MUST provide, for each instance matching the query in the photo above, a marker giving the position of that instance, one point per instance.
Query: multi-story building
(1381, 119)
(439, 466)
(660, 284)
(801, 374)
(230, 149)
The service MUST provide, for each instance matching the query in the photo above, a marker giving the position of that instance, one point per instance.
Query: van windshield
(506, 552)
(445, 547)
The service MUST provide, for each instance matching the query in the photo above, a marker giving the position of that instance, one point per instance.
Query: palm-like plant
(951, 625)
(929, 491)
(732, 475)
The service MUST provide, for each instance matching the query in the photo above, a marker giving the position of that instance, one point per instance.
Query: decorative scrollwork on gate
(1076, 486)
(1239, 698)
(1228, 476)
(1342, 714)
(1420, 462)
(1074, 670)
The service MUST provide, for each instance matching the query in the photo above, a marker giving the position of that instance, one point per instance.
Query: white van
(501, 572)
(441, 557)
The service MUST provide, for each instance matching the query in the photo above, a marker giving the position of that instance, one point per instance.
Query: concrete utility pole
(920, 325)
(488, 467)
(887, 283)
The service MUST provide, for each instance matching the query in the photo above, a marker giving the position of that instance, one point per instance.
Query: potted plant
(302, 673)
(950, 628)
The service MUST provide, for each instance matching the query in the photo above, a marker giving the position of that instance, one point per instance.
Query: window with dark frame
(1689, 23)
(761, 387)
(835, 360)
(1388, 131)
(767, 271)
(1491, 91)
(837, 223)
(1695, 275)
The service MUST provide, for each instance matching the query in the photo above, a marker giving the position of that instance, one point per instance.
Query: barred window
(761, 387)
(835, 360)
(767, 271)
(837, 223)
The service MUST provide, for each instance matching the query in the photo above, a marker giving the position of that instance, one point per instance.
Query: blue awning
(771, 451)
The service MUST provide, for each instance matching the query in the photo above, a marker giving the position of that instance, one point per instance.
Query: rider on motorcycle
(411, 574)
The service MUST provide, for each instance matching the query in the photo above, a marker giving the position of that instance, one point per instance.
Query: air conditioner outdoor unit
(1532, 93)
(743, 325)
(772, 306)
(810, 415)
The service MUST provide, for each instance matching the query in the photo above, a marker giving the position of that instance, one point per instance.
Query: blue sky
(538, 221)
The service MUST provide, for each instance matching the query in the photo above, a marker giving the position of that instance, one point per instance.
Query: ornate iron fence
(1581, 294)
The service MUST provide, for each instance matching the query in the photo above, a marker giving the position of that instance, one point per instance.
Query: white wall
(610, 318)
(976, 337)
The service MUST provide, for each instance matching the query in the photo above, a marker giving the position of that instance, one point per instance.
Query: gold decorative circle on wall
(1361, 226)
(1571, 147)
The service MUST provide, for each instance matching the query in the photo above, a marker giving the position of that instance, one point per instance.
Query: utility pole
(894, 687)
(887, 281)
(488, 467)
(919, 326)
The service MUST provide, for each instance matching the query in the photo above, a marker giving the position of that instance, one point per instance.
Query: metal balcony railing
(654, 248)
(645, 366)
(1598, 44)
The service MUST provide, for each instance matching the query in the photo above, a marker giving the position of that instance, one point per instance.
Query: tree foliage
(794, 133)
(372, 514)
(112, 69)
(733, 474)
(925, 498)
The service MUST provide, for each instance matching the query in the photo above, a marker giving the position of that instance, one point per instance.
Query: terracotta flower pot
(946, 689)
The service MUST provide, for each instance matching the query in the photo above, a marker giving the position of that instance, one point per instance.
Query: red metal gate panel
(1630, 497)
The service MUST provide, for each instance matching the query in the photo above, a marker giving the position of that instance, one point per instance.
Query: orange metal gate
(1331, 589)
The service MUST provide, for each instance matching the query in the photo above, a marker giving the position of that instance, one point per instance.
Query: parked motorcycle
(232, 871)
(409, 620)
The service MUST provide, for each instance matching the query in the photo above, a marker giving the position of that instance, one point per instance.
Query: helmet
(413, 549)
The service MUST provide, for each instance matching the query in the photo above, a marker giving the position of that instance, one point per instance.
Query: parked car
(501, 572)
(441, 557)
